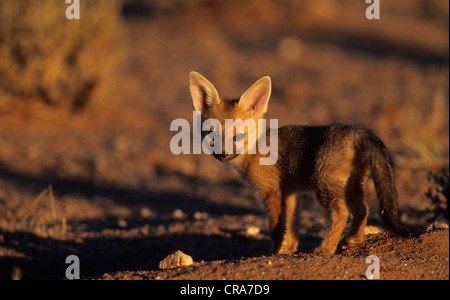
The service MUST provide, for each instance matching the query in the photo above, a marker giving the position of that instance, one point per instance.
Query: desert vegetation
(60, 63)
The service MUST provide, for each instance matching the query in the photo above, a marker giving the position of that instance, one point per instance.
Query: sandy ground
(399, 259)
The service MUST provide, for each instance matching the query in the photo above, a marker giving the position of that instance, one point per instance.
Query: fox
(332, 161)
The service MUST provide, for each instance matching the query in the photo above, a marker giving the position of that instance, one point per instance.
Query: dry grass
(40, 217)
(46, 57)
(424, 136)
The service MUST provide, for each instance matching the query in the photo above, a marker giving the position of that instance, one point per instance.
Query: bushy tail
(377, 157)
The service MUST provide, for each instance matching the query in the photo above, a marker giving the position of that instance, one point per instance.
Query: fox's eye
(239, 137)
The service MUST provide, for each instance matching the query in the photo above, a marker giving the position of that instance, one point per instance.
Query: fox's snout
(224, 157)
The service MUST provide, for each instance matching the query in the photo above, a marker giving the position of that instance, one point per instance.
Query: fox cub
(333, 161)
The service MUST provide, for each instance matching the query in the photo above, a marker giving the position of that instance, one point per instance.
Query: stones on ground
(178, 214)
(175, 260)
(122, 223)
(146, 212)
(372, 230)
(198, 215)
(437, 226)
(251, 232)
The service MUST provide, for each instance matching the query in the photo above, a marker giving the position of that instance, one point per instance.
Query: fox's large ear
(204, 94)
(256, 98)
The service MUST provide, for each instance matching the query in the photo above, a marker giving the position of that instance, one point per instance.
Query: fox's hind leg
(356, 198)
(333, 199)
(290, 237)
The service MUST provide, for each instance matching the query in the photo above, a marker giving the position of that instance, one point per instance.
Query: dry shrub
(46, 57)
(440, 194)
(39, 216)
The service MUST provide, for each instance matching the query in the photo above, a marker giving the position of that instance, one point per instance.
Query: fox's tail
(379, 160)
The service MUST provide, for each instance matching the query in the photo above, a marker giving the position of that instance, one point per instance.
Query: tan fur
(329, 160)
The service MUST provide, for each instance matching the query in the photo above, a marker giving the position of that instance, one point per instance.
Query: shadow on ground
(109, 247)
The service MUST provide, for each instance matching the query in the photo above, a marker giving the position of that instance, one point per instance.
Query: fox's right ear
(204, 94)
(256, 98)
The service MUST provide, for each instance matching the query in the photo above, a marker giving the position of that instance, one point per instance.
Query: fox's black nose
(224, 157)
(220, 155)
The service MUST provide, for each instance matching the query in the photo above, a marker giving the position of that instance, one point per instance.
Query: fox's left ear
(256, 98)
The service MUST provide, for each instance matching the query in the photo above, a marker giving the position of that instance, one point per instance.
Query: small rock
(175, 260)
(200, 215)
(145, 212)
(178, 214)
(122, 223)
(372, 230)
(437, 226)
(252, 231)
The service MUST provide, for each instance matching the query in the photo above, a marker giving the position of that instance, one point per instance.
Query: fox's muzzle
(225, 157)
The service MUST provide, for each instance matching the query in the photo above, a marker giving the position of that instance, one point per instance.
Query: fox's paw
(285, 248)
(321, 250)
(354, 241)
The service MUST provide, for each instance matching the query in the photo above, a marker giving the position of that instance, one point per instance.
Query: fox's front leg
(281, 213)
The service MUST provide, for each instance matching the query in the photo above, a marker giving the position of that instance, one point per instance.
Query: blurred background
(86, 106)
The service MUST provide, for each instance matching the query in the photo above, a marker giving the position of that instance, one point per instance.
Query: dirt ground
(103, 184)
(405, 259)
